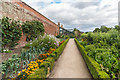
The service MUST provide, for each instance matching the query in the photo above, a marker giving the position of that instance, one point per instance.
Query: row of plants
(12, 31)
(39, 62)
(63, 36)
(33, 65)
(36, 50)
(46, 66)
(94, 68)
(104, 48)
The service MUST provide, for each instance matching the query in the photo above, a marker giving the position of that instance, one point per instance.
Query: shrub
(38, 74)
(11, 32)
(32, 29)
(44, 43)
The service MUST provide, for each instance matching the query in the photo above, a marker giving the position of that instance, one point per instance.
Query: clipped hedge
(48, 64)
(92, 64)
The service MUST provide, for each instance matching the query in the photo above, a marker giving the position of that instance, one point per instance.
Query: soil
(5, 56)
(16, 50)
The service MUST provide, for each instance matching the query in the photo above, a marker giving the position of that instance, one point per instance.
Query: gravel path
(70, 64)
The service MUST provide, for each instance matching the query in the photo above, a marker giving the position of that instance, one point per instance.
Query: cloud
(85, 15)
(82, 5)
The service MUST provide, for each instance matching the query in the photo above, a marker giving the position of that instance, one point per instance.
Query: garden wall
(18, 10)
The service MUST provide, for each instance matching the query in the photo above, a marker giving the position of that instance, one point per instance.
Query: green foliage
(32, 29)
(63, 36)
(96, 30)
(11, 66)
(50, 61)
(45, 65)
(84, 43)
(104, 48)
(58, 36)
(44, 43)
(6, 51)
(66, 37)
(104, 29)
(117, 27)
(41, 73)
(93, 66)
(72, 36)
(11, 32)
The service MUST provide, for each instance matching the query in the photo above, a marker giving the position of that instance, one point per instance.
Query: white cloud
(82, 14)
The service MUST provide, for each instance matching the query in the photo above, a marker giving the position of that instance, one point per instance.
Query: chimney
(59, 24)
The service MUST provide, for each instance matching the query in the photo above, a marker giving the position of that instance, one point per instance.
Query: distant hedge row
(92, 64)
(48, 64)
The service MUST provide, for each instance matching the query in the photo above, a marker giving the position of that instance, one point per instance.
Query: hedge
(48, 64)
(93, 66)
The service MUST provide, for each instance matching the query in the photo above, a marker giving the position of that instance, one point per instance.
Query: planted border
(48, 64)
(92, 64)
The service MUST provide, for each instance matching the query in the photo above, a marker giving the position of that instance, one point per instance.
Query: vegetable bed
(93, 66)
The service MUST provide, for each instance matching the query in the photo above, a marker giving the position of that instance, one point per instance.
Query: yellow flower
(28, 68)
(23, 70)
(18, 74)
(23, 75)
(28, 73)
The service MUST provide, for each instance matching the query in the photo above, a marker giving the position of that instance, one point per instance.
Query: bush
(32, 29)
(44, 43)
(11, 32)
(39, 74)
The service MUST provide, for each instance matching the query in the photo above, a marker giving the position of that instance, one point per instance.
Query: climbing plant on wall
(32, 29)
(11, 32)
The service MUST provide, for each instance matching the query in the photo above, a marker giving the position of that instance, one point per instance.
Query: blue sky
(84, 15)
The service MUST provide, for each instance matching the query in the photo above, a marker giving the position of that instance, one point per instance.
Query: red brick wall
(21, 11)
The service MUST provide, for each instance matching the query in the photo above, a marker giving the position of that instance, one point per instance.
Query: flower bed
(47, 65)
(38, 50)
(33, 65)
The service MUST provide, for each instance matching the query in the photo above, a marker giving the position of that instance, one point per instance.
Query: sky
(85, 15)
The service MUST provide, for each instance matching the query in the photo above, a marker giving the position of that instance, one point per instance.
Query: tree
(96, 30)
(104, 29)
(117, 27)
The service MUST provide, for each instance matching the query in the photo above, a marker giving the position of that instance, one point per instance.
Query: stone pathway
(70, 64)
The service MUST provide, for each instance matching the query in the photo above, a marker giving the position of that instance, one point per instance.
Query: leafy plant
(32, 29)
(104, 48)
(6, 51)
(11, 32)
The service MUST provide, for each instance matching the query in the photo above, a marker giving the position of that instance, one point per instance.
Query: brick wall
(21, 11)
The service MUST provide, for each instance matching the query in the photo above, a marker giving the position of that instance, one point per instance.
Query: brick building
(19, 10)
